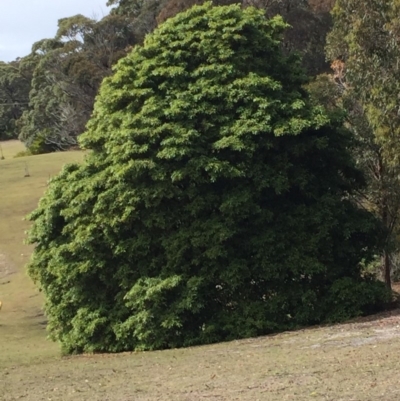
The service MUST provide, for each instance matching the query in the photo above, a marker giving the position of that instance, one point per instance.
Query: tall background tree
(309, 23)
(15, 84)
(364, 48)
(67, 76)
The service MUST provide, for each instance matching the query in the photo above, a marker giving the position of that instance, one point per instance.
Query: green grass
(357, 361)
(22, 329)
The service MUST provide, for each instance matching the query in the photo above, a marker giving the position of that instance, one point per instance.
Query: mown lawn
(354, 361)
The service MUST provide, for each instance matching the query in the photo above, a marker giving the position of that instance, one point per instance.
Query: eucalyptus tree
(14, 97)
(306, 34)
(364, 44)
(67, 77)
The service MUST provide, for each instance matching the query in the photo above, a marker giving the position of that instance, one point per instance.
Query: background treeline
(47, 97)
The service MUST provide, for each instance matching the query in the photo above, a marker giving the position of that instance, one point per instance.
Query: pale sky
(24, 22)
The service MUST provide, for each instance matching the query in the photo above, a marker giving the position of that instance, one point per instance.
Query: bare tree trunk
(386, 269)
(385, 265)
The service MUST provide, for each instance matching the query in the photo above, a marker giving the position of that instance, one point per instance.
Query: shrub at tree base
(214, 204)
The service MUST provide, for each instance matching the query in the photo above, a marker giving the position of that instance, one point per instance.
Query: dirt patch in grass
(6, 268)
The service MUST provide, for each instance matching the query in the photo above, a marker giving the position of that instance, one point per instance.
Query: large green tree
(214, 203)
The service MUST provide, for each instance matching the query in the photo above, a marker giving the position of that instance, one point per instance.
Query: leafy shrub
(38, 145)
(23, 153)
(350, 298)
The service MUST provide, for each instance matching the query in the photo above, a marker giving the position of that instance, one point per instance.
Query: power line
(13, 104)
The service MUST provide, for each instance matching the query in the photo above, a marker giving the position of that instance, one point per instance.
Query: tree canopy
(214, 203)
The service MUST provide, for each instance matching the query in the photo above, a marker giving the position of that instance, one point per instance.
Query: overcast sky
(24, 22)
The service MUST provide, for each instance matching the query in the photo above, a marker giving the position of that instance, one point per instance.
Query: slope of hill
(22, 326)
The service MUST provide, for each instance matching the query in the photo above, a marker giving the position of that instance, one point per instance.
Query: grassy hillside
(22, 328)
(355, 361)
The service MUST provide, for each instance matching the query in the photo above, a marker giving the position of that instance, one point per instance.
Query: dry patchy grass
(10, 148)
(354, 361)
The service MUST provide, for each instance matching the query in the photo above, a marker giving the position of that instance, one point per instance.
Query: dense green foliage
(215, 201)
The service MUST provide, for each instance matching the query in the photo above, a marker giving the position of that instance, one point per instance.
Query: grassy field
(353, 361)
(22, 324)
